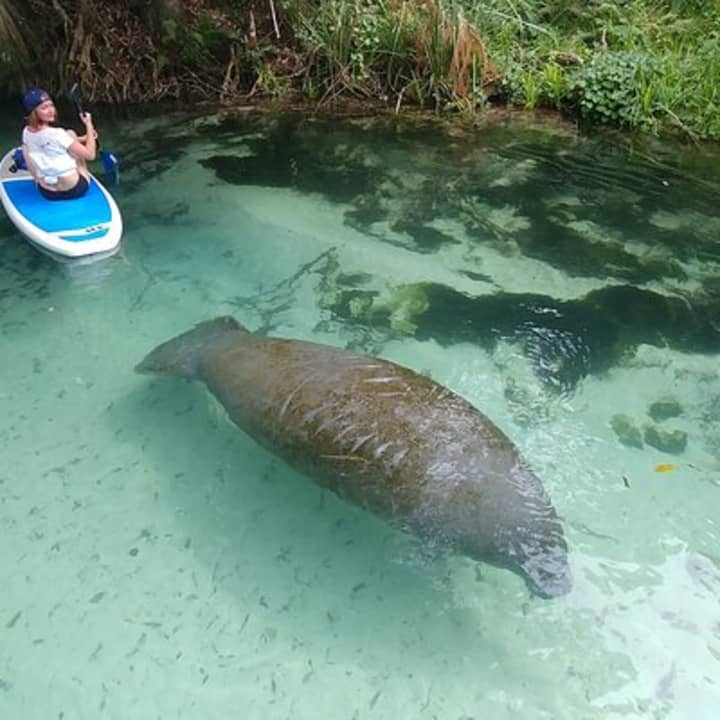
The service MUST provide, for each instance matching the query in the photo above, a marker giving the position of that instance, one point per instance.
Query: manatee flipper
(183, 354)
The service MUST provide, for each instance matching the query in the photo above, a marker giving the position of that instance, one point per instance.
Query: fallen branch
(274, 19)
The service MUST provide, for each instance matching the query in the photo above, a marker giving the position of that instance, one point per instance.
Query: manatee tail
(184, 354)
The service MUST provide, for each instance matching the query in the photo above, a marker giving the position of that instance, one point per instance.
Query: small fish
(665, 467)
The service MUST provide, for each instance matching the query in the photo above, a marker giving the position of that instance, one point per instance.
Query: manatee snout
(546, 572)
(529, 543)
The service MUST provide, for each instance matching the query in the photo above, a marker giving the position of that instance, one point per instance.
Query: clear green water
(155, 563)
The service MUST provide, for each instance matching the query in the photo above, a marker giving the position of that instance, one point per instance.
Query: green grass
(652, 65)
(647, 64)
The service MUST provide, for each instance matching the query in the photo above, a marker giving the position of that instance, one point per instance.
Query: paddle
(110, 163)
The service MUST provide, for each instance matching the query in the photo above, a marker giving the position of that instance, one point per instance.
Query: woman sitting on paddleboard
(55, 157)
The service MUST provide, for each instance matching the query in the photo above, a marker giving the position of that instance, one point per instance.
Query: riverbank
(652, 66)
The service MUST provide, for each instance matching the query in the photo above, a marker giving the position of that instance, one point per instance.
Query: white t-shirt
(48, 150)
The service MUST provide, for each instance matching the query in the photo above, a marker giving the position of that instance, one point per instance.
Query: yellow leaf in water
(665, 467)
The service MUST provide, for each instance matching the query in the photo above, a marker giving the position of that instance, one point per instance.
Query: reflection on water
(157, 563)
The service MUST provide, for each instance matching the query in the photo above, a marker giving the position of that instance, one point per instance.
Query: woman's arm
(32, 169)
(85, 148)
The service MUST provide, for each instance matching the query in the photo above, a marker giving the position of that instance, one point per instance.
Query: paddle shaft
(75, 96)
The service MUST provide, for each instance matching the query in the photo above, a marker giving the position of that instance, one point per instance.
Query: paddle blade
(111, 166)
(19, 160)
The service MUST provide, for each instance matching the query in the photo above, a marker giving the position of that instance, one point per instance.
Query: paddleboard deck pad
(83, 226)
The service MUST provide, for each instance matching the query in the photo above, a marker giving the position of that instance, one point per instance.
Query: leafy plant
(555, 86)
(613, 88)
(531, 90)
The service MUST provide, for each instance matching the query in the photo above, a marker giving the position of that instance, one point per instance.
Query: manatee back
(376, 433)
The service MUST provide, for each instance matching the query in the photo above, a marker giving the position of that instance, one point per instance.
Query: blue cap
(34, 97)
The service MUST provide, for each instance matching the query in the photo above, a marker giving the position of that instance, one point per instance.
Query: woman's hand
(86, 117)
(85, 148)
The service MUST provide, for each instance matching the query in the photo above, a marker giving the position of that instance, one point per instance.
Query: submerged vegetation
(480, 233)
(648, 64)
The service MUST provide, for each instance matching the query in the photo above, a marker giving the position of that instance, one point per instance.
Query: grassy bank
(643, 64)
(647, 64)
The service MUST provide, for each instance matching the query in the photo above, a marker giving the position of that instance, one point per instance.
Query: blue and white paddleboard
(83, 226)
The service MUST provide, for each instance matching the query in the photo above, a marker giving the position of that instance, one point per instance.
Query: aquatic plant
(689, 221)
(501, 222)
(402, 305)
(668, 441)
(510, 174)
(564, 340)
(627, 432)
(666, 407)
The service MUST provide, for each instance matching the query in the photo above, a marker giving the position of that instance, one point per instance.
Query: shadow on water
(565, 340)
(312, 157)
(616, 217)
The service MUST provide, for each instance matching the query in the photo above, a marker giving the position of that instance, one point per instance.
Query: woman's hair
(32, 99)
(33, 120)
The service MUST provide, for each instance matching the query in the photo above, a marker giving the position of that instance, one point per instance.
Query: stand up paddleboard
(88, 225)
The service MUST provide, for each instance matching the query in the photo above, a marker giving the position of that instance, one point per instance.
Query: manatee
(383, 437)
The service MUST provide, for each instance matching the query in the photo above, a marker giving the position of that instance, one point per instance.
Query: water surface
(156, 563)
